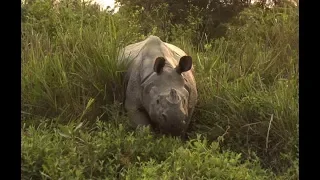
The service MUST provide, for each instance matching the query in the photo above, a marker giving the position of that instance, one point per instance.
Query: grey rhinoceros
(160, 88)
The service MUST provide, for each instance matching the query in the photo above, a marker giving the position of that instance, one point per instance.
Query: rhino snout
(173, 129)
(174, 124)
(177, 118)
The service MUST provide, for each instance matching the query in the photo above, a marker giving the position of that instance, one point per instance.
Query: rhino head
(166, 96)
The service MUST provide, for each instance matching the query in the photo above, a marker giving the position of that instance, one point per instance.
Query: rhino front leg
(139, 118)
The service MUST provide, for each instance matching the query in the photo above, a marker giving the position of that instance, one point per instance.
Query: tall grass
(247, 85)
(76, 68)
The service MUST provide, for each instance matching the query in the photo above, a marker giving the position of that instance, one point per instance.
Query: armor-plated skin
(160, 89)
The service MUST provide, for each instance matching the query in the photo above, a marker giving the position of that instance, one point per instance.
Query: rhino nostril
(173, 127)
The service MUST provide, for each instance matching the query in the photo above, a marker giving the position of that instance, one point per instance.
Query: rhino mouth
(173, 132)
(171, 129)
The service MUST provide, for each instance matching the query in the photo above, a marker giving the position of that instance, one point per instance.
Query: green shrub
(112, 151)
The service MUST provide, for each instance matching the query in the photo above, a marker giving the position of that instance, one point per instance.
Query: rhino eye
(158, 101)
(187, 88)
(164, 117)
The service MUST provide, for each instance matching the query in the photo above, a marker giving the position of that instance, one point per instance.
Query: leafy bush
(110, 150)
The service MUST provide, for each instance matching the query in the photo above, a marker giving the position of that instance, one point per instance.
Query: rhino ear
(185, 64)
(159, 64)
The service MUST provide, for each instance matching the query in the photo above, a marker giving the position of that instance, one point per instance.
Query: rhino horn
(173, 97)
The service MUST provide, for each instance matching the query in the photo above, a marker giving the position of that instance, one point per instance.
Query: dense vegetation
(246, 121)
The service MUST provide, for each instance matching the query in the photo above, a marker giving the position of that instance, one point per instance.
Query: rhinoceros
(160, 88)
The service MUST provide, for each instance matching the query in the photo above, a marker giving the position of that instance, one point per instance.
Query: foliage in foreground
(108, 150)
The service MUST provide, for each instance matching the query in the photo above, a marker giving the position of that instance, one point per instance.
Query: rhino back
(144, 53)
(141, 57)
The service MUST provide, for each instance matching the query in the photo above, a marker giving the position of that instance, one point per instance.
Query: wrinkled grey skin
(163, 97)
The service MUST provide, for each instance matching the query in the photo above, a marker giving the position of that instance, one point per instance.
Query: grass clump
(76, 66)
